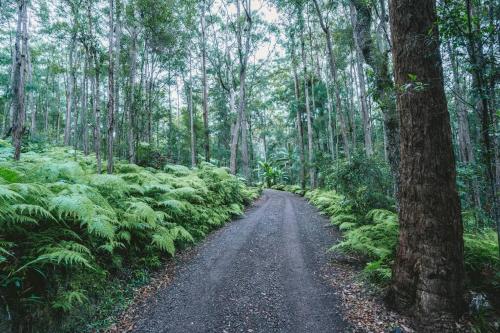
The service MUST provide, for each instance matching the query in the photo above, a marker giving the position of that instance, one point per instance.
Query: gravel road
(260, 273)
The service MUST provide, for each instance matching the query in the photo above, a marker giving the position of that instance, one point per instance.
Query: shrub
(65, 230)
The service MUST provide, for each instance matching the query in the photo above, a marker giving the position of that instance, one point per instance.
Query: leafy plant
(63, 227)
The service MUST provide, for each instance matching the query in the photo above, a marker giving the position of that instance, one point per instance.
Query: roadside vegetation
(74, 242)
(356, 196)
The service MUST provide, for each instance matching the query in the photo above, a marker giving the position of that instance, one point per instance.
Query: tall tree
(310, 142)
(111, 86)
(335, 80)
(204, 80)
(19, 76)
(428, 271)
(377, 59)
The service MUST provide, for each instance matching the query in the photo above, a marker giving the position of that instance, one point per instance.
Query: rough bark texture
(428, 271)
(18, 78)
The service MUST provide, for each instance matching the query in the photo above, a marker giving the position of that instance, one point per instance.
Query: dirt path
(261, 273)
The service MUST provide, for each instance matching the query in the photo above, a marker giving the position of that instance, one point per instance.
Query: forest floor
(268, 271)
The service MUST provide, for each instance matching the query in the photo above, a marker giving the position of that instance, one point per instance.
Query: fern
(64, 226)
(164, 241)
(67, 300)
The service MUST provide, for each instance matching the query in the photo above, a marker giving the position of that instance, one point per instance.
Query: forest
(132, 129)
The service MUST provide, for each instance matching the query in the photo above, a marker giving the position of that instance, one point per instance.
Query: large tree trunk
(243, 26)
(18, 80)
(204, 82)
(111, 88)
(428, 271)
(310, 142)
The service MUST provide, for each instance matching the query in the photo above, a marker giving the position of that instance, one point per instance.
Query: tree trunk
(330, 122)
(204, 79)
(310, 142)
(384, 87)
(428, 271)
(480, 97)
(235, 133)
(111, 88)
(191, 117)
(85, 96)
(97, 111)
(333, 71)
(18, 82)
(362, 89)
(131, 98)
(300, 131)
(464, 139)
(70, 85)
(243, 52)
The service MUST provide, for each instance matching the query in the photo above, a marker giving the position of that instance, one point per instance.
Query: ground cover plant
(66, 231)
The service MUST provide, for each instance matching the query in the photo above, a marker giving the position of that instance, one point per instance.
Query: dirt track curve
(260, 273)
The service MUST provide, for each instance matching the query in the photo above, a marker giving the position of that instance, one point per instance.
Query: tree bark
(310, 142)
(97, 111)
(191, 117)
(384, 87)
(235, 133)
(204, 82)
(333, 71)
(85, 93)
(131, 98)
(111, 87)
(300, 131)
(71, 79)
(243, 52)
(18, 80)
(428, 272)
(362, 89)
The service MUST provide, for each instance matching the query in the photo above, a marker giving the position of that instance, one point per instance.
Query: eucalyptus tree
(428, 274)
(19, 78)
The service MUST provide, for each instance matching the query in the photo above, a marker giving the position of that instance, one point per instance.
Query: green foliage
(365, 183)
(63, 227)
(373, 238)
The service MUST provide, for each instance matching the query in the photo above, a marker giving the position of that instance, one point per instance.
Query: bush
(365, 183)
(373, 239)
(65, 231)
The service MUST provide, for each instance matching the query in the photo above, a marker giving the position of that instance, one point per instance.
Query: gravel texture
(261, 273)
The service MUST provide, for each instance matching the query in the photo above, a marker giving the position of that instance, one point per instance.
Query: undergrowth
(67, 232)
